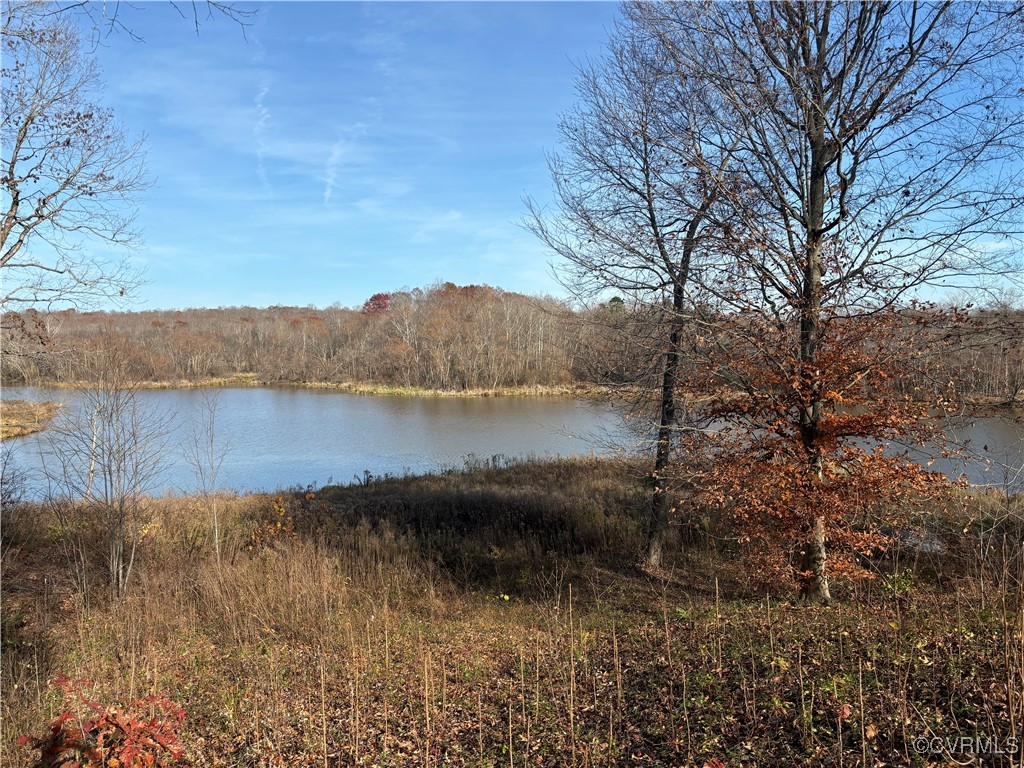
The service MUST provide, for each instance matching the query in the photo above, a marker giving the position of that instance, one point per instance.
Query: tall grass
(495, 617)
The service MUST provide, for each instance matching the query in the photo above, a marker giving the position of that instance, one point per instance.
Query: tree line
(452, 337)
(440, 337)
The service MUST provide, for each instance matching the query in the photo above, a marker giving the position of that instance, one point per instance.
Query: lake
(274, 438)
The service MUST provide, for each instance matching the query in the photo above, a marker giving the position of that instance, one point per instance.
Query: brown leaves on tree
(790, 444)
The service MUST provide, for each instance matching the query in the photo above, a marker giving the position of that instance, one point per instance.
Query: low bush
(87, 734)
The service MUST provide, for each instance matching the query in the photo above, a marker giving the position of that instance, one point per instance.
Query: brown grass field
(496, 617)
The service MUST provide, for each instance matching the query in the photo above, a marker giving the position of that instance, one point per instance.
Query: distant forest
(441, 337)
(444, 337)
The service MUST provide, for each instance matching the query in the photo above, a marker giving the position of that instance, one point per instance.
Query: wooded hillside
(444, 337)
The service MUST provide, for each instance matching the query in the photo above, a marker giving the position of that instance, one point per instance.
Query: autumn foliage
(88, 734)
(376, 304)
(770, 470)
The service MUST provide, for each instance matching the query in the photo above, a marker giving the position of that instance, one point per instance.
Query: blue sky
(335, 150)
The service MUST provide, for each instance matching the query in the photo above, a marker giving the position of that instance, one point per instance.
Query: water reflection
(274, 438)
(271, 438)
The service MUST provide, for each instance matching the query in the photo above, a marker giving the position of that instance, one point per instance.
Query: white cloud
(331, 168)
(260, 133)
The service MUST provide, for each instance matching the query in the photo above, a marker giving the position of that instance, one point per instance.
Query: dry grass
(353, 387)
(233, 380)
(21, 417)
(494, 617)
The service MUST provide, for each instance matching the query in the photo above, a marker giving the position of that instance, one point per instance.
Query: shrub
(89, 735)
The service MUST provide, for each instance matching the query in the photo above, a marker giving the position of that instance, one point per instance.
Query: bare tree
(68, 172)
(879, 147)
(635, 187)
(102, 457)
(206, 457)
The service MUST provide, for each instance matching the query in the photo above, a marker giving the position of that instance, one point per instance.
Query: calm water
(278, 438)
(273, 438)
(994, 445)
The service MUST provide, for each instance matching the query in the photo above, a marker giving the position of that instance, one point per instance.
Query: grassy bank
(21, 417)
(495, 617)
(357, 388)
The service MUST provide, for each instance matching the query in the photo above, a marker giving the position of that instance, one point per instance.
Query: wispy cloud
(260, 133)
(331, 168)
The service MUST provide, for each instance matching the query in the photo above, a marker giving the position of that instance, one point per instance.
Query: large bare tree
(635, 186)
(68, 171)
(878, 148)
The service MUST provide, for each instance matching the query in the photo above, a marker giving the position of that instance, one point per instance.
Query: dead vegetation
(495, 616)
(22, 417)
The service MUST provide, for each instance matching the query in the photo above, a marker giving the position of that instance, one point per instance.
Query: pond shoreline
(19, 418)
(976, 404)
(348, 387)
(21, 423)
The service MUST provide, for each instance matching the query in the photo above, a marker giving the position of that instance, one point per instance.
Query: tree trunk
(815, 588)
(658, 524)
